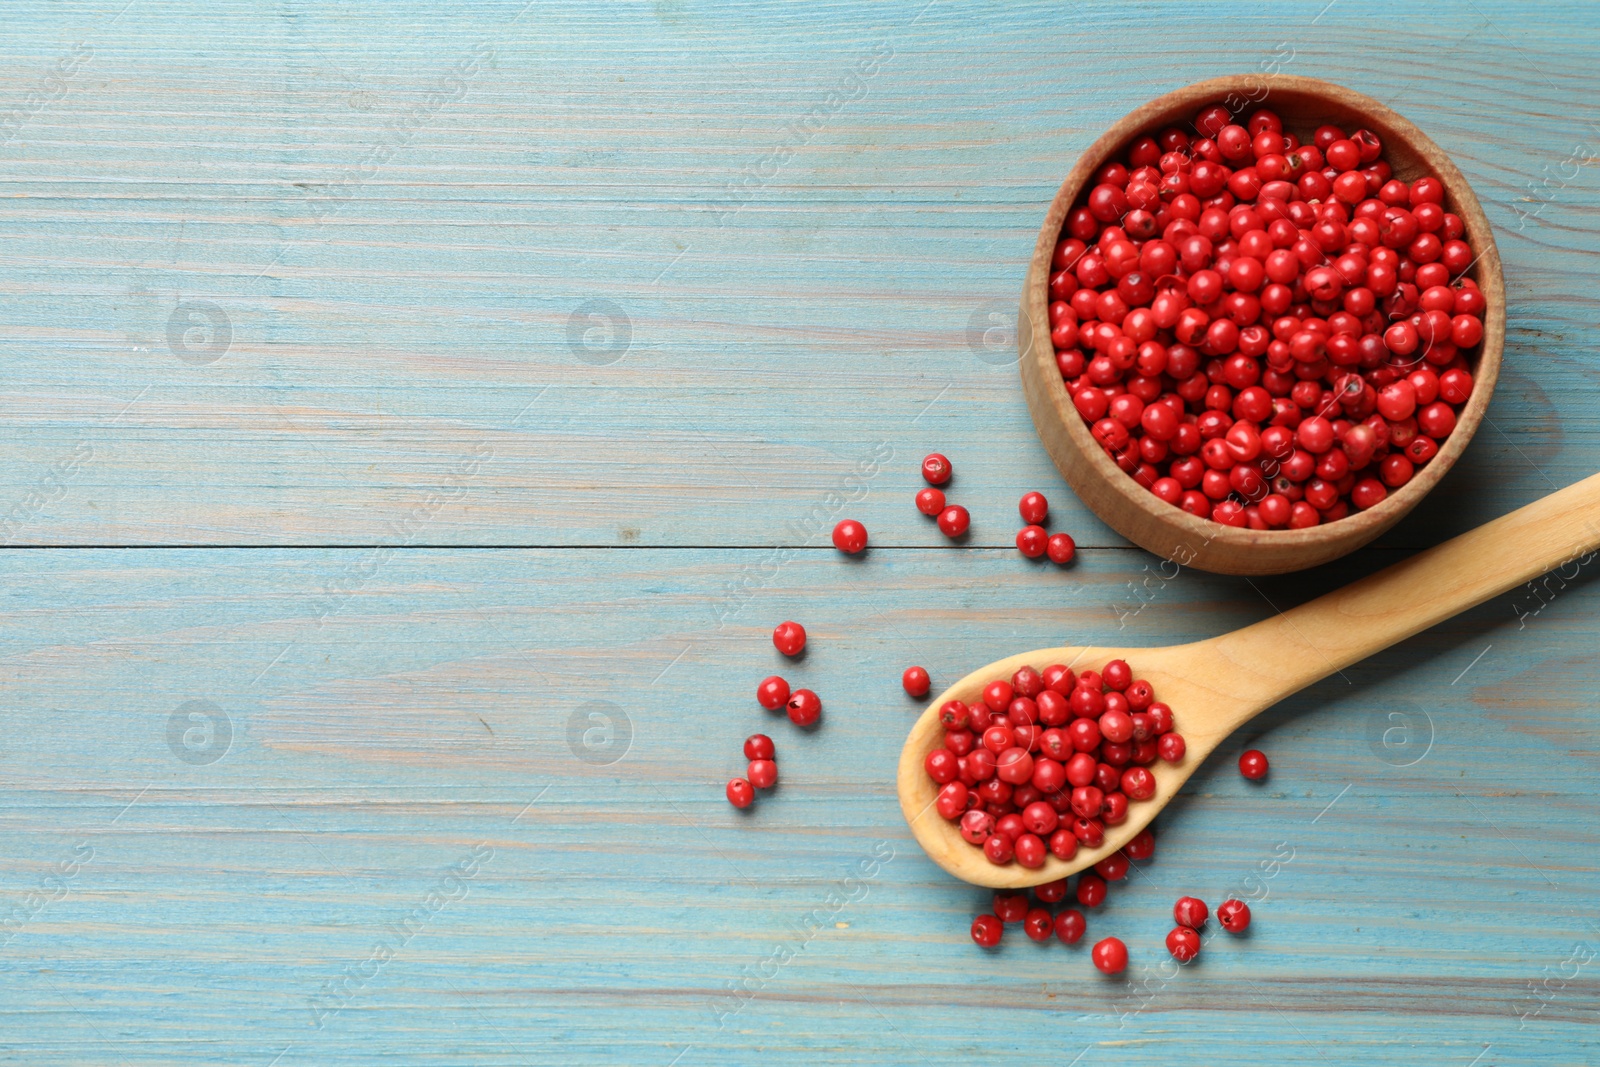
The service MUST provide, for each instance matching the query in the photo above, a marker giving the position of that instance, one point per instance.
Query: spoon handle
(1286, 653)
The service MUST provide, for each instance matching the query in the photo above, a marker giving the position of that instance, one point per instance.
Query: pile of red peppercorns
(1040, 765)
(1033, 540)
(1264, 332)
(953, 519)
(1068, 924)
(1046, 761)
(803, 706)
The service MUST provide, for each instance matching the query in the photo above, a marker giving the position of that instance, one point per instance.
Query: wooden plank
(398, 291)
(380, 735)
(404, 272)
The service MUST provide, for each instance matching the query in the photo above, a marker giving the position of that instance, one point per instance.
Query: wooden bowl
(1135, 512)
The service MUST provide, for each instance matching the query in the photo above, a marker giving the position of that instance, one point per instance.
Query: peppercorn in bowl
(1263, 318)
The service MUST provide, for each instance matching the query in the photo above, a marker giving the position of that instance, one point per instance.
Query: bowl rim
(1033, 334)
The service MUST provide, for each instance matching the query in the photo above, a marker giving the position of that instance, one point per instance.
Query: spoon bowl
(1219, 684)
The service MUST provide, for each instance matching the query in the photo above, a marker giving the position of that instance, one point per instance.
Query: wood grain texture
(398, 290)
(399, 208)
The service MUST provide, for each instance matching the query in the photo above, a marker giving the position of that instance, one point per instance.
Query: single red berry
(952, 801)
(1234, 915)
(1091, 890)
(1061, 548)
(1110, 956)
(997, 848)
(930, 501)
(998, 695)
(1038, 924)
(916, 681)
(1033, 507)
(954, 715)
(1070, 925)
(936, 469)
(759, 746)
(942, 765)
(987, 930)
(1114, 868)
(740, 793)
(1091, 833)
(789, 638)
(1183, 943)
(1011, 907)
(763, 773)
(804, 707)
(1030, 850)
(954, 520)
(1142, 847)
(1051, 892)
(1191, 912)
(773, 692)
(1031, 541)
(1171, 747)
(1253, 765)
(977, 826)
(849, 537)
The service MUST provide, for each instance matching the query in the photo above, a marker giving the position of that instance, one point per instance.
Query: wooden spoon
(1217, 685)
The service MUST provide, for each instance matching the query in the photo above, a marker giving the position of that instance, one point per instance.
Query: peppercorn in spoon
(1217, 685)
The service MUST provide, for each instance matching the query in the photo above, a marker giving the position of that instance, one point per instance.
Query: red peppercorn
(759, 746)
(1091, 890)
(789, 638)
(1110, 956)
(763, 773)
(1142, 847)
(954, 715)
(930, 501)
(1183, 943)
(1234, 916)
(1030, 850)
(1070, 926)
(987, 930)
(1014, 765)
(1031, 541)
(954, 520)
(1061, 548)
(916, 681)
(1171, 748)
(1010, 907)
(951, 802)
(1191, 912)
(740, 793)
(997, 848)
(804, 707)
(936, 469)
(773, 692)
(977, 826)
(1253, 765)
(849, 537)
(1051, 892)
(1117, 675)
(1033, 508)
(1114, 868)
(1038, 924)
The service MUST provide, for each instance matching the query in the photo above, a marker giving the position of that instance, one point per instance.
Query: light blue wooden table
(402, 404)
